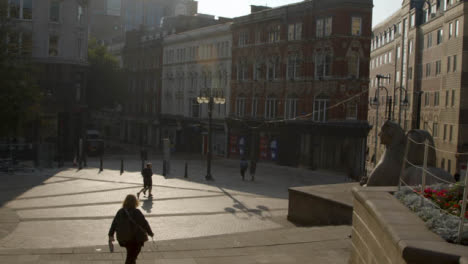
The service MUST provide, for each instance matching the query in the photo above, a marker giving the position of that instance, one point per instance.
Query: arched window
(353, 65)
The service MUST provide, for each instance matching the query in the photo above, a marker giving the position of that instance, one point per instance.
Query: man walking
(147, 174)
(243, 167)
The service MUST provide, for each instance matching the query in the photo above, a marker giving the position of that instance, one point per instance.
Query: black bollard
(121, 166)
(186, 170)
(101, 165)
(164, 168)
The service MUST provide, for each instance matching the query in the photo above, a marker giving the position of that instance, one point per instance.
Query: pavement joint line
(32, 186)
(254, 211)
(80, 251)
(160, 186)
(72, 194)
(111, 202)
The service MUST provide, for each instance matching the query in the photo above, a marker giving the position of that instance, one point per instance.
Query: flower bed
(440, 209)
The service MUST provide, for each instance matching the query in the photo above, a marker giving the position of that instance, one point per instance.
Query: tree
(19, 94)
(105, 80)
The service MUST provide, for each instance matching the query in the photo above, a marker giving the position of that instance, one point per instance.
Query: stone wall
(385, 231)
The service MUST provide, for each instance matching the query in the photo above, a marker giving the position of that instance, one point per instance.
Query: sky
(233, 8)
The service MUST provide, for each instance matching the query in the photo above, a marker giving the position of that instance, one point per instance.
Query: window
(294, 66)
(243, 38)
(54, 10)
(274, 34)
(390, 57)
(426, 99)
(256, 71)
(242, 71)
(449, 166)
(436, 98)
(445, 132)
(271, 107)
(440, 36)
(323, 27)
(295, 31)
(451, 133)
(454, 63)
(21, 9)
(323, 65)
(240, 106)
(320, 110)
(273, 68)
(442, 164)
(351, 111)
(356, 26)
(328, 26)
(53, 46)
(429, 40)
(435, 130)
(410, 46)
(194, 108)
(254, 106)
(353, 65)
(319, 28)
(79, 48)
(450, 30)
(453, 97)
(456, 28)
(398, 52)
(80, 14)
(290, 108)
(428, 69)
(27, 9)
(412, 20)
(448, 63)
(447, 98)
(14, 7)
(426, 126)
(438, 67)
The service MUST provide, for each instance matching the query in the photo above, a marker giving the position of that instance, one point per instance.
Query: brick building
(308, 59)
(421, 47)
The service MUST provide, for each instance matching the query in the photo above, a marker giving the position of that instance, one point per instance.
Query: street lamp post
(400, 102)
(210, 97)
(376, 103)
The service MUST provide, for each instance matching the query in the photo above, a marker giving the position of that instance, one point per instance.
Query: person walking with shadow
(147, 174)
(253, 168)
(131, 227)
(243, 167)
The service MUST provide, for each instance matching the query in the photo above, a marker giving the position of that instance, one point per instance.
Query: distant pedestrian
(131, 227)
(243, 167)
(457, 177)
(253, 168)
(147, 174)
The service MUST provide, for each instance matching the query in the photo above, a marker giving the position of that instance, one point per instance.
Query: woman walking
(131, 227)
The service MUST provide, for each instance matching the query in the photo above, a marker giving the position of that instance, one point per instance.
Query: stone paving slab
(291, 245)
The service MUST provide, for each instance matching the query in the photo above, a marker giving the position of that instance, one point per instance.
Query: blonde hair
(130, 202)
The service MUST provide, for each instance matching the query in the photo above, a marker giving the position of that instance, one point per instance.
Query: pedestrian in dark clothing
(131, 227)
(147, 174)
(243, 167)
(253, 168)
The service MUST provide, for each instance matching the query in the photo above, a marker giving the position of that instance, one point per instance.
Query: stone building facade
(55, 34)
(193, 61)
(299, 84)
(421, 48)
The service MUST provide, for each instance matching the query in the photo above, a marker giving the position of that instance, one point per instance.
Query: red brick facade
(332, 66)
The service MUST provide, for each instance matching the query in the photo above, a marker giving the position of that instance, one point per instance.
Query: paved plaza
(66, 208)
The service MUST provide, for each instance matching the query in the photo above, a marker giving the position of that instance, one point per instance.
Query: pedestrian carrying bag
(140, 233)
